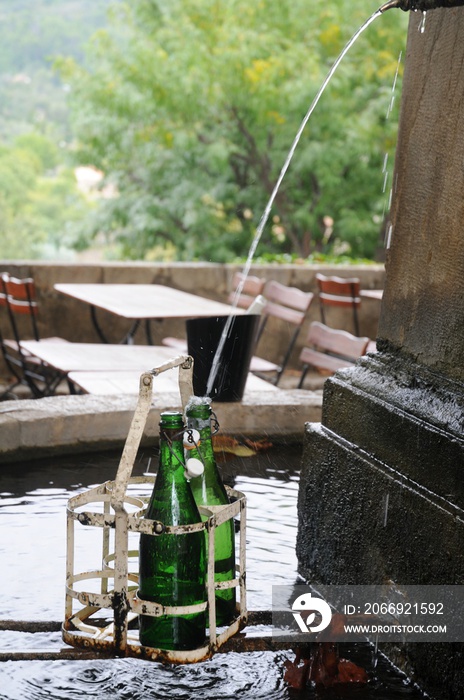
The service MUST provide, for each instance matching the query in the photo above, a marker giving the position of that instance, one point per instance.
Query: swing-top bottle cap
(193, 467)
(191, 439)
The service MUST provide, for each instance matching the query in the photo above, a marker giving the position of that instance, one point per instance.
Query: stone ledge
(63, 424)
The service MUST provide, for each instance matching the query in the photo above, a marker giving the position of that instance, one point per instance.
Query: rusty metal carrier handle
(126, 464)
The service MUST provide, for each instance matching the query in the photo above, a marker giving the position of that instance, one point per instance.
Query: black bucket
(203, 337)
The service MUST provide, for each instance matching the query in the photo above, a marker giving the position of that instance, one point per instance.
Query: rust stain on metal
(94, 648)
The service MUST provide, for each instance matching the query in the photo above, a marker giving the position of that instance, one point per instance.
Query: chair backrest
(335, 341)
(330, 349)
(19, 297)
(287, 304)
(339, 291)
(245, 289)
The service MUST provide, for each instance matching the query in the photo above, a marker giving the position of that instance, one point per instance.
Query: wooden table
(142, 302)
(119, 383)
(69, 357)
(115, 369)
(372, 294)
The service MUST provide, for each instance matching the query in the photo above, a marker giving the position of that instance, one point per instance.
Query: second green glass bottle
(208, 490)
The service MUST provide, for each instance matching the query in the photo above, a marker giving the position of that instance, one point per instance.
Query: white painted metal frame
(113, 635)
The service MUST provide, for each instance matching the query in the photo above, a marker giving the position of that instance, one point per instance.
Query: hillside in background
(33, 33)
(40, 201)
(188, 110)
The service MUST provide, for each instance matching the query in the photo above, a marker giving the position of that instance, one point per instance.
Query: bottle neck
(201, 421)
(207, 488)
(171, 456)
(171, 499)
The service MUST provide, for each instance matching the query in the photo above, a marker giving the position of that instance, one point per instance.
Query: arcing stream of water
(285, 167)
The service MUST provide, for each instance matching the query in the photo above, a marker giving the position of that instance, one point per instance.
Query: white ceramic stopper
(194, 467)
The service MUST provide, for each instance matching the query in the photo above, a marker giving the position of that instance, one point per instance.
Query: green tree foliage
(39, 201)
(35, 30)
(190, 108)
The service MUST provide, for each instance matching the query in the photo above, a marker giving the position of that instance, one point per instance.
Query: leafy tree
(31, 95)
(190, 108)
(39, 200)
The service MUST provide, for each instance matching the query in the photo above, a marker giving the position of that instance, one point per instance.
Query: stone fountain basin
(83, 423)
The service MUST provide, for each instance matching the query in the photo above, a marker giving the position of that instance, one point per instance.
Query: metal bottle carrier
(103, 618)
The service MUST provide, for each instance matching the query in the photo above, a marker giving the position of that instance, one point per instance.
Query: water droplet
(422, 24)
(148, 472)
(385, 179)
(395, 79)
(385, 161)
(389, 236)
(385, 516)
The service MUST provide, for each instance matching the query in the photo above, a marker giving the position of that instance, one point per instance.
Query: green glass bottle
(208, 489)
(172, 568)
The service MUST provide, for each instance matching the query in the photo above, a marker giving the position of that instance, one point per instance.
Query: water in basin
(32, 551)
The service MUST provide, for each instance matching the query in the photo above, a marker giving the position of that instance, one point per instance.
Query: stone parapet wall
(37, 428)
(69, 319)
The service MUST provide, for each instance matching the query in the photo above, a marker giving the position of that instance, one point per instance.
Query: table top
(145, 301)
(372, 293)
(119, 383)
(98, 356)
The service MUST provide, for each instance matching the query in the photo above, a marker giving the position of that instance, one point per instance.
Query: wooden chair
(18, 298)
(245, 289)
(251, 287)
(339, 291)
(328, 349)
(287, 304)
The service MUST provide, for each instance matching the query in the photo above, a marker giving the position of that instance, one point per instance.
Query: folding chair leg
(356, 321)
(9, 391)
(355, 312)
(72, 387)
(282, 367)
(261, 328)
(44, 385)
(304, 372)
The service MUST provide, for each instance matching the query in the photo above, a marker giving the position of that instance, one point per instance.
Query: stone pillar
(382, 491)
(423, 309)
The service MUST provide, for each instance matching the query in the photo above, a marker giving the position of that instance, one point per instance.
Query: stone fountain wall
(382, 490)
